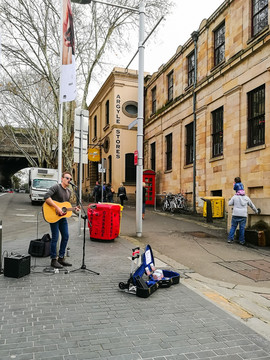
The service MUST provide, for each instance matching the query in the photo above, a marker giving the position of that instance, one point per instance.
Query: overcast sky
(175, 30)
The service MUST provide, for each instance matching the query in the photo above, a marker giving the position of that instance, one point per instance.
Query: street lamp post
(140, 120)
(140, 117)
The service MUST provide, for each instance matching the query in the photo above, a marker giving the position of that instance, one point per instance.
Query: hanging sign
(94, 154)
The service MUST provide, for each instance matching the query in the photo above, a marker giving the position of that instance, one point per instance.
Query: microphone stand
(84, 217)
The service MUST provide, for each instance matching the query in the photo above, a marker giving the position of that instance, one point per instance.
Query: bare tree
(31, 61)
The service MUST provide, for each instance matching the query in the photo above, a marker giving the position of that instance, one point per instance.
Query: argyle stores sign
(118, 132)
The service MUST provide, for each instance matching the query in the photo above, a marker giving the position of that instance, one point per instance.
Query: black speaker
(17, 266)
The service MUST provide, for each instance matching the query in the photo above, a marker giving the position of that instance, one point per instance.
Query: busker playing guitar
(59, 193)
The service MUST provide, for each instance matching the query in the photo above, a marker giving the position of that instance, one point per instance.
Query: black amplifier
(17, 266)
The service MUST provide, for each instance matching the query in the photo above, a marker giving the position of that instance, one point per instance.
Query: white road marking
(31, 221)
(25, 215)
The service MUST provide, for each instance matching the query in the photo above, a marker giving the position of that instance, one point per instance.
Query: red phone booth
(149, 178)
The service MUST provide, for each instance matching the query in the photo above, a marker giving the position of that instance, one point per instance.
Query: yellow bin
(217, 203)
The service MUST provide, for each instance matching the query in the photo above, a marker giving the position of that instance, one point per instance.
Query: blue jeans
(242, 224)
(62, 226)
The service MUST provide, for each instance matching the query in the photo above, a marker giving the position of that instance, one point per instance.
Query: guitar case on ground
(146, 279)
(40, 247)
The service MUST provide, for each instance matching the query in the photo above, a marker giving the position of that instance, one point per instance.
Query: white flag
(68, 67)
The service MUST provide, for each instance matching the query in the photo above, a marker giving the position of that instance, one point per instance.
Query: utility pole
(140, 121)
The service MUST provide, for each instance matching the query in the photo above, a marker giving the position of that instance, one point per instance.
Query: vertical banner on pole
(68, 67)
(67, 71)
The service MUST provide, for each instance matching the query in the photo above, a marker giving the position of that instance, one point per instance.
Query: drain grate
(200, 234)
(257, 270)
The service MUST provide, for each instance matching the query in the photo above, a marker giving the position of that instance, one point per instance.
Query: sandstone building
(111, 111)
(206, 112)
(216, 87)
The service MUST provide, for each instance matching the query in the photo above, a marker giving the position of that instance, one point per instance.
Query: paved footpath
(80, 315)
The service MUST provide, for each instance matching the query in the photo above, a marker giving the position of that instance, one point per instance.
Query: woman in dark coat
(122, 194)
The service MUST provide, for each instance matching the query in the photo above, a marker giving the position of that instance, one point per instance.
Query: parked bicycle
(166, 204)
(178, 202)
(174, 203)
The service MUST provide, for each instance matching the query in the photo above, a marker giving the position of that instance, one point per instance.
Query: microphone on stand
(73, 185)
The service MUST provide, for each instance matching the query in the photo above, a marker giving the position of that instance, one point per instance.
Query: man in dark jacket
(121, 193)
(97, 192)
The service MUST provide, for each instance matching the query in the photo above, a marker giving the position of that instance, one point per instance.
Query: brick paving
(81, 316)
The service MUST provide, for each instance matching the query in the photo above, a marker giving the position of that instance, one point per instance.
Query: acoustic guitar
(51, 216)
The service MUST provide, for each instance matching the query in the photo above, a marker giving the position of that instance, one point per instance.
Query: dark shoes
(55, 264)
(62, 261)
(230, 241)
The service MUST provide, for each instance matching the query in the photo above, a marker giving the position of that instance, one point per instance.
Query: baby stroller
(146, 279)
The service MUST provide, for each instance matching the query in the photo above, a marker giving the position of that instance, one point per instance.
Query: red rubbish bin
(105, 219)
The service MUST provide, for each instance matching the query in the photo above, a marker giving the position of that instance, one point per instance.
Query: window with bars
(95, 126)
(153, 156)
(256, 117)
(170, 86)
(217, 132)
(189, 143)
(154, 100)
(259, 15)
(191, 68)
(107, 112)
(168, 139)
(219, 44)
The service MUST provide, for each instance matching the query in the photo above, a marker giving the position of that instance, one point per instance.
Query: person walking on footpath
(104, 192)
(109, 193)
(97, 192)
(122, 194)
(59, 193)
(240, 201)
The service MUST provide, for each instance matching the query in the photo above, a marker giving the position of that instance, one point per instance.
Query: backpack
(40, 247)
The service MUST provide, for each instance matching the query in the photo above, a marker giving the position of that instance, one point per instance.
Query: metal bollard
(209, 217)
